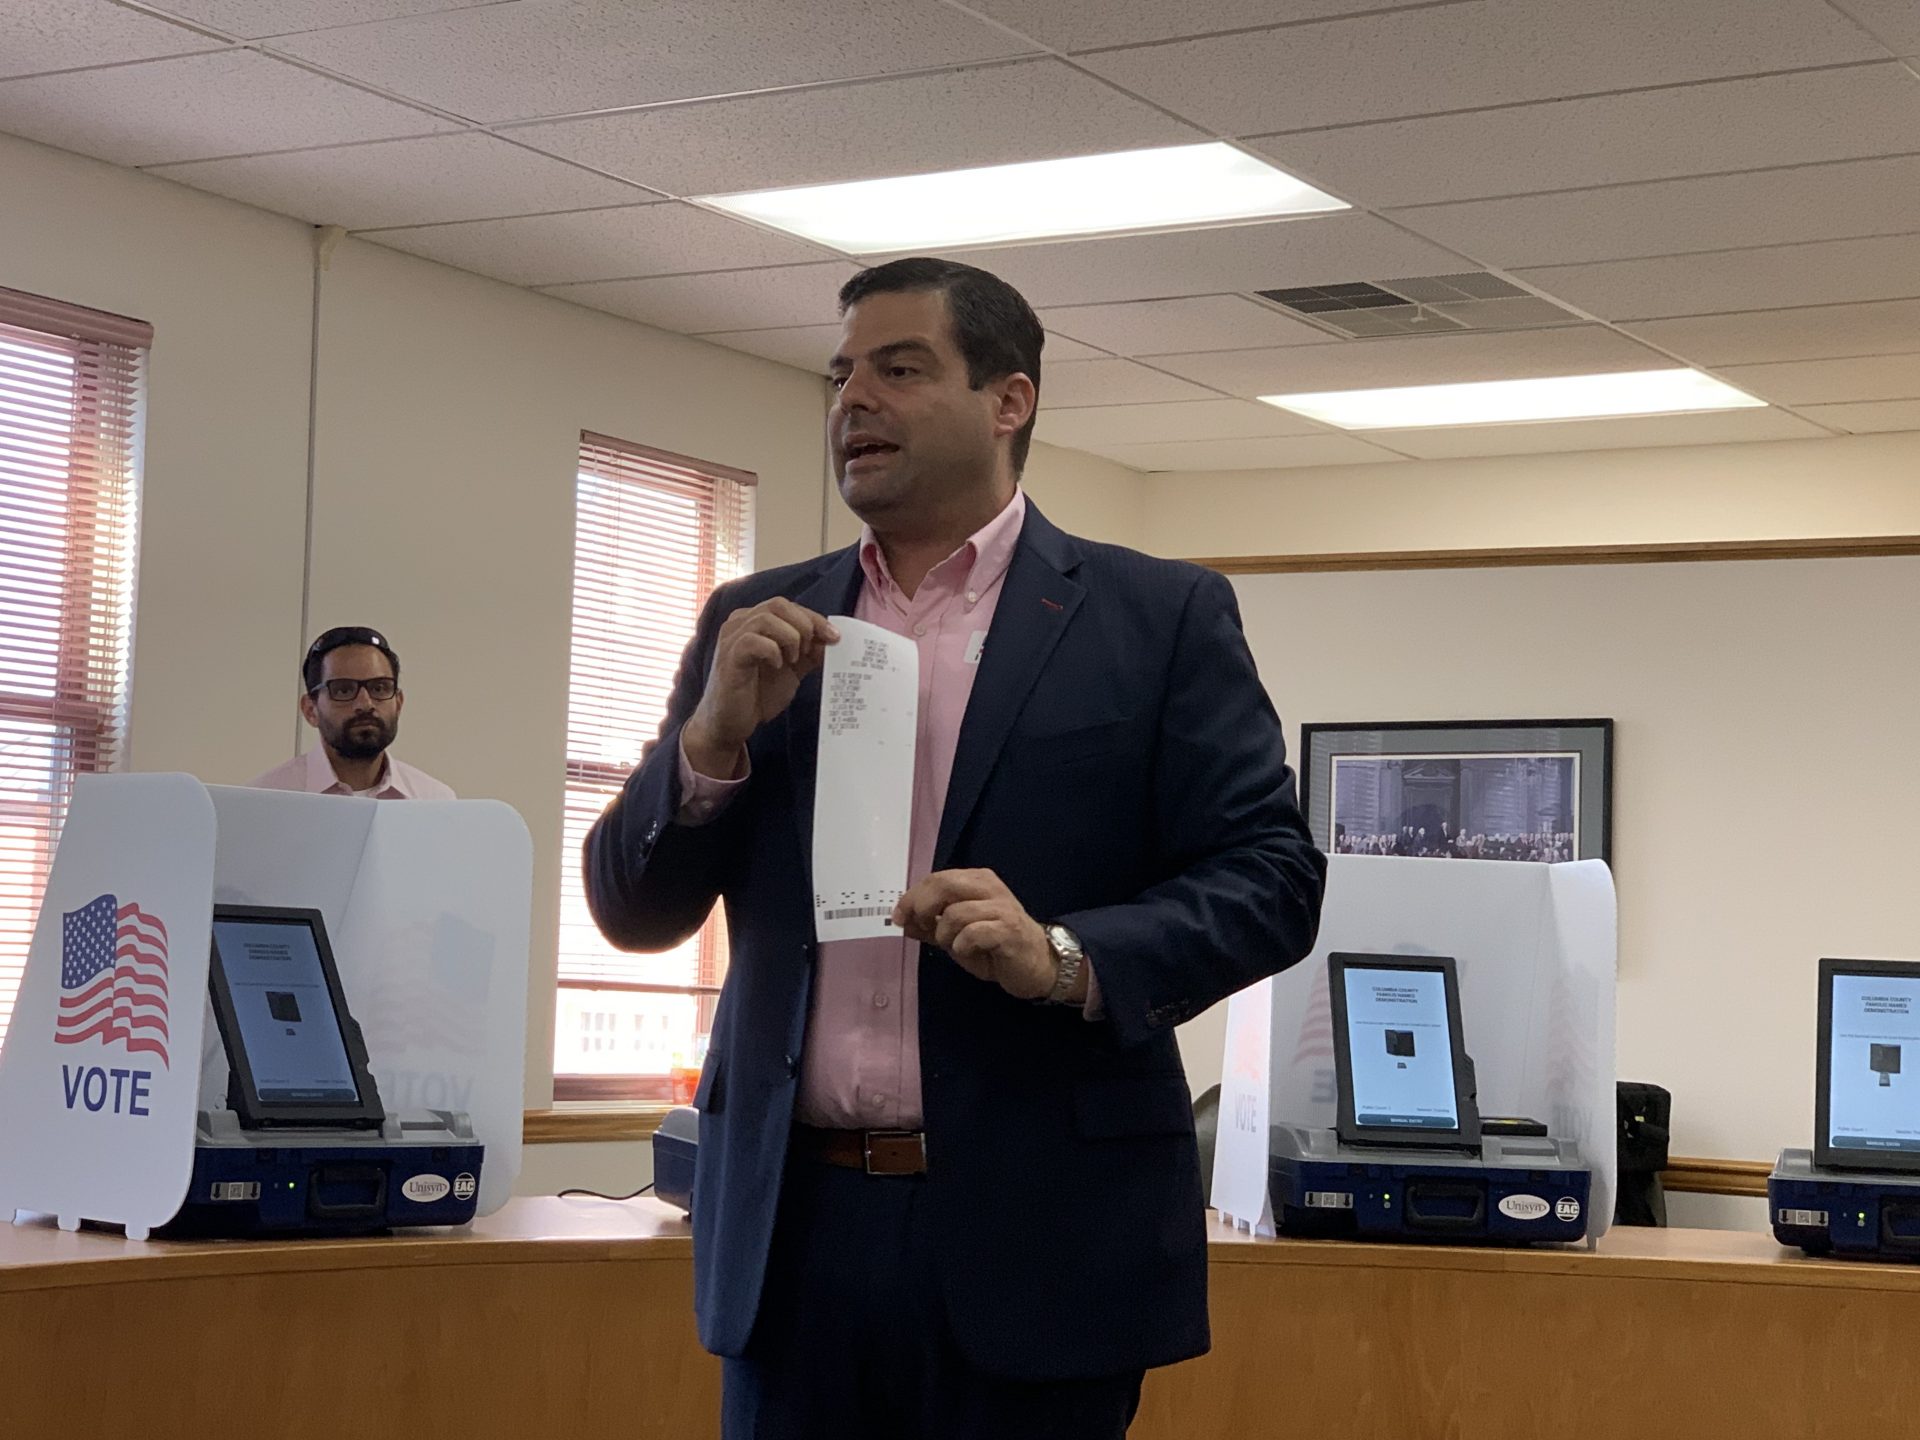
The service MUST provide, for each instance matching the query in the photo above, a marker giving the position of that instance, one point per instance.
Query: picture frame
(1538, 790)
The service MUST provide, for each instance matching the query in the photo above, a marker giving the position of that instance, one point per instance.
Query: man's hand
(762, 656)
(972, 916)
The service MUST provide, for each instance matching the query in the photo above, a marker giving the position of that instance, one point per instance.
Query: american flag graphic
(1315, 1040)
(113, 977)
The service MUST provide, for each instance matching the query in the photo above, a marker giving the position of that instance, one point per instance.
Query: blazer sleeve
(1241, 900)
(650, 882)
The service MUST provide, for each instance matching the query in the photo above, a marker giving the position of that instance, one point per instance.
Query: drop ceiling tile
(1817, 332)
(1797, 119)
(1486, 52)
(1196, 322)
(805, 347)
(506, 62)
(1831, 272)
(1894, 23)
(1072, 25)
(1086, 427)
(39, 35)
(1668, 217)
(1268, 454)
(1416, 360)
(634, 240)
(958, 119)
(405, 182)
(725, 300)
(254, 19)
(1062, 347)
(1639, 432)
(1831, 382)
(809, 347)
(1318, 250)
(1112, 382)
(230, 103)
(1871, 417)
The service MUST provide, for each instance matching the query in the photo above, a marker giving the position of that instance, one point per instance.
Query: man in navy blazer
(947, 1184)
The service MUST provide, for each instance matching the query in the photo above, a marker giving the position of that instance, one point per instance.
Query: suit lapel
(835, 592)
(1037, 601)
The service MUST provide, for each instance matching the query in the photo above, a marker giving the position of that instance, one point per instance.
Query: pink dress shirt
(860, 1066)
(313, 773)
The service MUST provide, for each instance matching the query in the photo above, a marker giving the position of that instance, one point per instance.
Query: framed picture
(1461, 789)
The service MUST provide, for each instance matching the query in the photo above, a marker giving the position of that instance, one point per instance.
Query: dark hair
(334, 639)
(996, 330)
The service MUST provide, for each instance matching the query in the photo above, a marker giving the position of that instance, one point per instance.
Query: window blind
(654, 533)
(71, 390)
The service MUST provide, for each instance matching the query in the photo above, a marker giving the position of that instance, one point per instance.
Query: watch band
(1068, 958)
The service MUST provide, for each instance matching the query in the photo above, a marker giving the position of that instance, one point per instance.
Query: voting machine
(1409, 1156)
(304, 1144)
(1857, 1192)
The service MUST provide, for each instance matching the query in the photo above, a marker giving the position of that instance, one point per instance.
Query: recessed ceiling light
(1169, 188)
(1519, 402)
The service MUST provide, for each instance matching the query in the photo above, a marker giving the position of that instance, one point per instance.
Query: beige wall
(1081, 493)
(1858, 485)
(449, 409)
(450, 412)
(224, 495)
(1085, 495)
(1763, 796)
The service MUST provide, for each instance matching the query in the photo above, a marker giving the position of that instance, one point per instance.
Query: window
(70, 410)
(653, 534)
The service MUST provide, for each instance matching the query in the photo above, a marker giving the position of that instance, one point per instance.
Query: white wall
(1764, 795)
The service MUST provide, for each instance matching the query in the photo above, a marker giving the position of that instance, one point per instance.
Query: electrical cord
(596, 1195)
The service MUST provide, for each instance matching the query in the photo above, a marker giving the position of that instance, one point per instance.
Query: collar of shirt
(322, 781)
(975, 567)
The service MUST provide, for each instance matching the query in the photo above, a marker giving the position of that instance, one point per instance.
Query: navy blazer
(1122, 770)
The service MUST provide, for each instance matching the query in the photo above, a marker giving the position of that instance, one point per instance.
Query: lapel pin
(1051, 604)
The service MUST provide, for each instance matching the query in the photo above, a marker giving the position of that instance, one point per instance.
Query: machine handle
(1894, 1242)
(1419, 1190)
(324, 1175)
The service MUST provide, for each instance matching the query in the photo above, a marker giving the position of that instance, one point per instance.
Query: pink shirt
(860, 1067)
(313, 773)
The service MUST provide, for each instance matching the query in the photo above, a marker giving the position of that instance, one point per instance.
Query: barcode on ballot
(859, 912)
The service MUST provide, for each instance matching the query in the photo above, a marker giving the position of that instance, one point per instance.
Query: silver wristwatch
(1068, 957)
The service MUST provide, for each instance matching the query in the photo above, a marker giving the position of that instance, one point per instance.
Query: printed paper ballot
(863, 785)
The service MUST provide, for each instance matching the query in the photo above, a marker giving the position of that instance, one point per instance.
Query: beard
(364, 737)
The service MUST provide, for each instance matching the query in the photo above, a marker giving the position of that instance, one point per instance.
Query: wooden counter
(568, 1318)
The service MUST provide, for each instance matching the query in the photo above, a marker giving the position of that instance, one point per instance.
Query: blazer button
(793, 1065)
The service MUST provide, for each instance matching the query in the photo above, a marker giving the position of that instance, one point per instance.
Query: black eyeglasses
(381, 687)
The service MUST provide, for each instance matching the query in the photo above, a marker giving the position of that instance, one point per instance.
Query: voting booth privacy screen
(1534, 950)
(114, 1047)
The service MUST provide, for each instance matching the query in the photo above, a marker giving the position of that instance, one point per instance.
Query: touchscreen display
(1401, 1049)
(1872, 1102)
(285, 1012)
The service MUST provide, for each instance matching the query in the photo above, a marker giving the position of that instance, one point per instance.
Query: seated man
(351, 695)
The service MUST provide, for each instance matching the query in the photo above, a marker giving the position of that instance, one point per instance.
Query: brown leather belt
(878, 1152)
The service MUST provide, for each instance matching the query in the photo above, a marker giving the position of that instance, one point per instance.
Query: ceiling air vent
(1421, 305)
